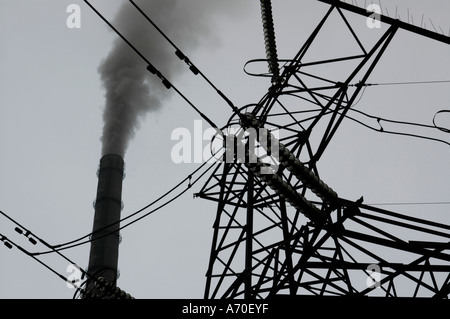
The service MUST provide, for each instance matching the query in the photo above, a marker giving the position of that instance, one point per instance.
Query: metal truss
(264, 243)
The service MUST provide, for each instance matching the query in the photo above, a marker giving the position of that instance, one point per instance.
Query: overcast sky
(52, 102)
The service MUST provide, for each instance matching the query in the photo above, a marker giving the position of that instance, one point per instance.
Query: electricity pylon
(289, 233)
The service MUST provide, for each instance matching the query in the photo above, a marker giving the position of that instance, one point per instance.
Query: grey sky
(52, 102)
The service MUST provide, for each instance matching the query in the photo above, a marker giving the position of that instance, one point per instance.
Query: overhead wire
(57, 248)
(409, 203)
(381, 129)
(381, 119)
(443, 129)
(77, 242)
(365, 86)
(10, 244)
(30, 235)
(194, 69)
(151, 68)
(387, 204)
(403, 83)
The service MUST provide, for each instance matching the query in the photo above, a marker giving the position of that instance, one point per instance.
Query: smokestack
(104, 254)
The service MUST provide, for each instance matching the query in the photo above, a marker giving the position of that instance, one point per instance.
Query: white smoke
(131, 91)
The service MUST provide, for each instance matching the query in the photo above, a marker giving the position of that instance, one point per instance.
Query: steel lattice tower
(289, 233)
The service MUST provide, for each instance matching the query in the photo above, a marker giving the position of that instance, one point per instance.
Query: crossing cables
(151, 68)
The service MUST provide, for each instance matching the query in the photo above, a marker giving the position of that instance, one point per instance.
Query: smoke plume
(131, 91)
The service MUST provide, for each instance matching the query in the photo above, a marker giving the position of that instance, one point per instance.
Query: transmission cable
(10, 244)
(57, 248)
(126, 225)
(381, 119)
(402, 83)
(71, 244)
(194, 69)
(443, 129)
(382, 130)
(409, 203)
(150, 67)
(30, 235)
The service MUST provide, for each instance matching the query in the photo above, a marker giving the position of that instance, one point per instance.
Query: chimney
(104, 254)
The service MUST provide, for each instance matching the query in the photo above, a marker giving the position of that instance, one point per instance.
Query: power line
(57, 248)
(66, 246)
(382, 130)
(194, 69)
(401, 83)
(30, 235)
(150, 67)
(73, 243)
(381, 119)
(351, 85)
(410, 203)
(10, 244)
(443, 129)
(27, 233)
